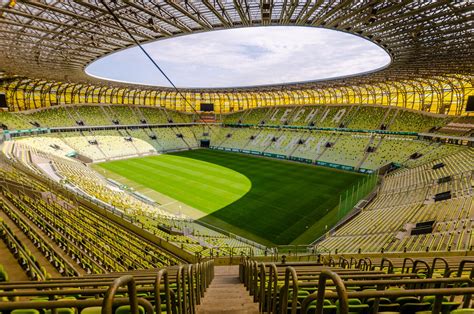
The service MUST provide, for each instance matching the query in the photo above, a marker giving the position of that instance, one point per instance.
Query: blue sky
(244, 57)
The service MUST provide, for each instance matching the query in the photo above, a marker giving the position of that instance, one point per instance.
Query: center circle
(244, 57)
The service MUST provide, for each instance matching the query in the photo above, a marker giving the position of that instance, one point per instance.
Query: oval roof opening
(245, 57)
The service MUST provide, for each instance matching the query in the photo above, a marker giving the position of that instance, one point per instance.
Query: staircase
(226, 294)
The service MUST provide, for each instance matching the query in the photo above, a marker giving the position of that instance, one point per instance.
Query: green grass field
(267, 200)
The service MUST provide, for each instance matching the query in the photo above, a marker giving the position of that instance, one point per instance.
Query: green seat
(412, 308)
(447, 307)
(62, 310)
(351, 302)
(125, 309)
(391, 307)
(310, 290)
(371, 301)
(359, 308)
(356, 306)
(326, 302)
(463, 311)
(302, 295)
(354, 302)
(431, 299)
(36, 299)
(25, 311)
(3, 275)
(327, 309)
(403, 300)
(92, 310)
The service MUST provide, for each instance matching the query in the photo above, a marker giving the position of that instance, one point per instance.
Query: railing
(145, 288)
(345, 274)
(343, 295)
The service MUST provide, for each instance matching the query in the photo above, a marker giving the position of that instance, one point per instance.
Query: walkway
(226, 294)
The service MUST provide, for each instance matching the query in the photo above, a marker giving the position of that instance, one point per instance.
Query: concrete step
(216, 311)
(226, 286)
(229, 303)
(226, 294)
(223, 292)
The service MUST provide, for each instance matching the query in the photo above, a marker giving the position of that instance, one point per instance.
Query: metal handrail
(369, 262)
(110, 294)
(460, 271)
(191, 295)
(163, 273)
(262, 280)
(181, 290)
(419, 261)
(272, 288)
(353, 262)
(340, 288)
(390, 265)
(362, 264)
(343, 262)
(290, 271)
(405, 260)
(433, 266)
(254, 289)
(461, 267)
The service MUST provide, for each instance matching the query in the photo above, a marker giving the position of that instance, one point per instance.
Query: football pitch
(266, 200)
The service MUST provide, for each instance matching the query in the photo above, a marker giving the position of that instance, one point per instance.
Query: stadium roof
(56, 40)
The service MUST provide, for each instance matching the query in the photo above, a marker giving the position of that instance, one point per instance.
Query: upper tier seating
(14, 121)
(154, 116)
(54, 117)
(91, 115)
(334, 116)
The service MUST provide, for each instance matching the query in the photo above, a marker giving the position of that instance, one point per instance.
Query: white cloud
(245, 57)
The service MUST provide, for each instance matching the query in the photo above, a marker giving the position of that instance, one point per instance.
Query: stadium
(236, 157)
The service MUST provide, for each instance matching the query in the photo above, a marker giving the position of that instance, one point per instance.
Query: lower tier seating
(408, 197)
(359, 150)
